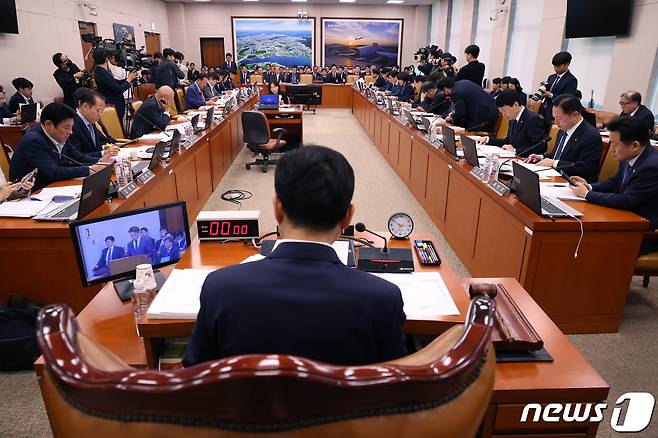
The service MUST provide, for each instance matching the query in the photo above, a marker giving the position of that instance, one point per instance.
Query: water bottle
(495, 167)
(486, 169)
(141, 299)
(120, 172)
(127, 169)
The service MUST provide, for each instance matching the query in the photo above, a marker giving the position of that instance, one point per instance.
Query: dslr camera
(539, 94)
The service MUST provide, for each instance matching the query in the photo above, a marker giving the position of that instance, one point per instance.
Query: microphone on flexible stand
(360, 227)
(476, 126)
(526, 150)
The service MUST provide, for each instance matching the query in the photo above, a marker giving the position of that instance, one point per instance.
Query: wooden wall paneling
(225, 140)
(418, 170)
(378, 130)
(436, 192)
(164, 192)
(385, 136)
(462, 213)
(203, 173)
(186, 187)
(236, 140)
(216, 159)
(404, 156)
(393, 144)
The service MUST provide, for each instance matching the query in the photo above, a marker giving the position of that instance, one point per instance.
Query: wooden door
(87, 28)
(152, 43)
(212, 51)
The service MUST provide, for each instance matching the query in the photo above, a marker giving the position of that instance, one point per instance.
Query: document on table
(26, 207)
(423, 293)
(559, 191)
(160, 136)
(179, 296)
(486, 149)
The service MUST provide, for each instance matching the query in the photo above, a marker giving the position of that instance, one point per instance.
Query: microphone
(526, 150)
(164, 102)
(360, 227)
(70, 159)
(476, 126)
(135, 113)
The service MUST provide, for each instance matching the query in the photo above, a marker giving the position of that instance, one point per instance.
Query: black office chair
(257, 136)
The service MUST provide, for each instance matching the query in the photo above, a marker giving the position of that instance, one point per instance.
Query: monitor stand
(124, 288)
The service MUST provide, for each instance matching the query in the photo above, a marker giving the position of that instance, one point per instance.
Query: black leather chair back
(255, 128)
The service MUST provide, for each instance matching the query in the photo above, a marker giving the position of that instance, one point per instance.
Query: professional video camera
(126, 54)
(539, 94)
(422, 54)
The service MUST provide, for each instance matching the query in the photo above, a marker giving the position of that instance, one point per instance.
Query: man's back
(301, 300)
(474, 108)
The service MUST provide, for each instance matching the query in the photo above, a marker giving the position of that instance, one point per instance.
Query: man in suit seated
(474, 70)
(635, 186)
(244, 74)
(380, 80)
(138, 244)
(432, 100)
(110, 252)
(578, 145)
(267, 74)
(6, 116)
(301, 299)
(475, 109)
(404, 91)
(87, 139)
(41, 148)
(561, 82)
(154, 113)
(496, 87)
(333, 77)
(169, 251)
(631, 106)
(212, 89)
(525, 132)
(23, 94)
(194, 97)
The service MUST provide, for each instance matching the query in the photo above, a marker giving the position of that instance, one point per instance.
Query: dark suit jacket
(291, 78)
(145, 246)
(436, 105)
(5, 113)
(380, 81)
(67, 83)
(475, 109)
(473, 71)
(638, 193)
(192, 75)
(194, 97)
(267, 75)
(244, 77)
(209, 92)
(643, 113)
(230, 67)
(582, 153)
(334, 78)
(16, 100)
(35, 150)
(168, 255)
(81, 139)
(117, 253)
(150, 111)
(301, 300)
(404, 92)
(168, 73)
(111, 88)
(277, 77)
(568, 84)
(527, 132)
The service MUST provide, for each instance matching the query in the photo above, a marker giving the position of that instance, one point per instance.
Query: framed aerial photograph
(278, 41)
(361, 41)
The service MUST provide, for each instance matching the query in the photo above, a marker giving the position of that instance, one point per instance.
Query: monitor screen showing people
(113, 245)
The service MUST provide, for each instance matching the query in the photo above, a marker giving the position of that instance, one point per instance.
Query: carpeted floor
(626, 360)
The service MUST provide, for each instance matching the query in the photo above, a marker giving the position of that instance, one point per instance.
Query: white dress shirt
(564, 142)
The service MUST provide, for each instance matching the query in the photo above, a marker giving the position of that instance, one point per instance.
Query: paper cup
(145, 273)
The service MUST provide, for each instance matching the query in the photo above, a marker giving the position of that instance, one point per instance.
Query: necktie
(92, 133)
(135, 245)
(555, 82)
(512, 129)
(109, 256)
(626, 172)
(560, 147)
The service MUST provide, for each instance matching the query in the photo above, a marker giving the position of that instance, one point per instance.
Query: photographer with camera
(561, 82)
(168, 72)
(474, 69)
(68, 77)
(109, 87)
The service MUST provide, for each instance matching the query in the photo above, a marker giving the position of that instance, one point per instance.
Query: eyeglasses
(624, 103)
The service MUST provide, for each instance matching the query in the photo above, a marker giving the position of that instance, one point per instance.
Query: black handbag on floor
(18, 340)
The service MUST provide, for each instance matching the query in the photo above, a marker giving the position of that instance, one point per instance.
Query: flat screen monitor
(110, 247)
(8, 18)
(593, 18)
(305, 94)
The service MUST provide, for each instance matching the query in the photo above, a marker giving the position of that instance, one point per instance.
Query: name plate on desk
(499, 188)
(477, 172)
(127, 190)
(144, 176)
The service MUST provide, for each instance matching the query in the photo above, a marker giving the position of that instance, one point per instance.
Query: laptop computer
(156, 158)
(171, 147)
(415, 122)
(526, 183)
(28, 113)
(391, 107)
(268, 102)
(470, 151)
(449, 142)
(195, 124)
(95, 189)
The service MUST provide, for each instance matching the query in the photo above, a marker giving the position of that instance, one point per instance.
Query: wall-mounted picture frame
(124, 33)
(362, 41)
(274, 40)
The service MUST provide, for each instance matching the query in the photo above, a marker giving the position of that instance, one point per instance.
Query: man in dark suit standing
(244, 74)
(635, 186)
(525, 131)
(301, 299)
(561, 82)
(631, 106)
(41, 148)
(333, 77)
(474, 70)
(229, 65)
(112, 89)
(578, 146)
(87, 139)
(154, 113)
(110, 252)
(267, 73)
(475, 109)
(68, 77)
(139, 245)
(23, 94)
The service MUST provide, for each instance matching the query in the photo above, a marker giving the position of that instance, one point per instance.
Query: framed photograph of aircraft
(361, 41)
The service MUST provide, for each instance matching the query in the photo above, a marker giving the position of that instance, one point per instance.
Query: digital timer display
(227, 229)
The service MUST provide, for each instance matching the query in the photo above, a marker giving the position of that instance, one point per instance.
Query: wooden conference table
(569, 378)
(498, 236)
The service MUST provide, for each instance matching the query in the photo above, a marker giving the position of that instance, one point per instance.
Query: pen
(556, 185)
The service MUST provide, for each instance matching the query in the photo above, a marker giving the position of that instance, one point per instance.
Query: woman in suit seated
(273, 88)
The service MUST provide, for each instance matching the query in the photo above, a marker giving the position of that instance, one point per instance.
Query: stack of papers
(160, 136)
(485, 149)
(423, 293)
(559, 191)
(38, 203)
(179, 297)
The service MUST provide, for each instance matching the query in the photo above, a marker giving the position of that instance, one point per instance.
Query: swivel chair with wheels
(257, 136)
